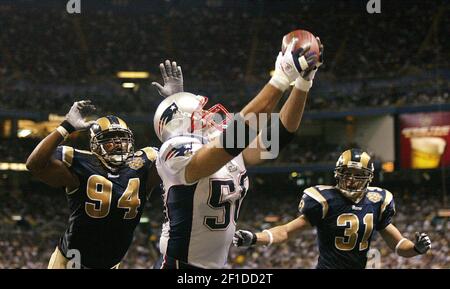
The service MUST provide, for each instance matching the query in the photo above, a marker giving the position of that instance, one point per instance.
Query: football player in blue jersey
(345, 216)
(106, 187)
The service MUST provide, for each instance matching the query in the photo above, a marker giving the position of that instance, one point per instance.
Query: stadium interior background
(384, 87)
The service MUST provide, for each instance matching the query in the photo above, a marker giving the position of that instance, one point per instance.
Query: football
(303, 37)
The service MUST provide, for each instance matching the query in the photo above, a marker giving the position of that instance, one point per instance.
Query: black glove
(422, 244)
(243, 238)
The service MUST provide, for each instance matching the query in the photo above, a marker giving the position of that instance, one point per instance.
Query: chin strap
(354, 198)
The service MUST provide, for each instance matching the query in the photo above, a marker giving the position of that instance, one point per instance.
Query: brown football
(303, 37)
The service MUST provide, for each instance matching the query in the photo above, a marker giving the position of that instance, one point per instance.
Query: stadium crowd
(80, 56)
(100, 42)
(121, 101)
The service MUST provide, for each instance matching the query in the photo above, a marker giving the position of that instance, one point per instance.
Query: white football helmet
(183, 114)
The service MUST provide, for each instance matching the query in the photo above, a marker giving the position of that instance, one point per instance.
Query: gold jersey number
(99, 190)
(351, 222)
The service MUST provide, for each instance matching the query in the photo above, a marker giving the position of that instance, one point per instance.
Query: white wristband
(303, 85)
(64, 133)
(270, 237)
(398, 245)
(280, 82)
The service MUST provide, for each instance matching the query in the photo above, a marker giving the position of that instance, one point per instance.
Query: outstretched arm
(275, 235)
(403, 246)
(213, 156)
(291, 113)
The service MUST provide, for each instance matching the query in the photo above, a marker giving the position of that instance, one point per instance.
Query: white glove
(290, 65)
(310, 73)
(243, 238)
(172, 77)
(422, 244)
(305, 81)
(74, 116)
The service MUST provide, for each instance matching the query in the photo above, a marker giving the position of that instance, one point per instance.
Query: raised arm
(172, 79)
(275, 235)
(217, 153)
(290, 114)
(41, 162)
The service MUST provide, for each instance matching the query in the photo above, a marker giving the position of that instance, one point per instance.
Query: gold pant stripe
(57, 260)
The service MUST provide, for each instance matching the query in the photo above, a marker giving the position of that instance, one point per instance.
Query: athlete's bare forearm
(292, 111)
(42, 154)
(282, 233)
(264, 102)
(403, 246)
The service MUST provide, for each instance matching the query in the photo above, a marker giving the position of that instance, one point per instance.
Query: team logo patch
(136, 163)
(182, 150)
(167, 115)
(231, 167)
(301, 205)
(374, 197)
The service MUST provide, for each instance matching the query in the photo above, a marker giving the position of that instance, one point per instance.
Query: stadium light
(56, 117)
(144, 220)
(133, 74)
(13, 167)
(388, 167)
(128, 85)
(444, 213)
(24, 133)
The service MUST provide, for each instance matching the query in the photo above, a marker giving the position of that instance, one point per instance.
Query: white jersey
(200, 217)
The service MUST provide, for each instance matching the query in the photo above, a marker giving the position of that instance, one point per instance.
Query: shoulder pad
(323, 187)
(388, 197)
(375, 189)
(150, 152)
(315, 194)
(84, 152)
(67, 155)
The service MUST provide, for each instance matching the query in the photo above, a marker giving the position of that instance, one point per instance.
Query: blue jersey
(106, 207)
(345, 228)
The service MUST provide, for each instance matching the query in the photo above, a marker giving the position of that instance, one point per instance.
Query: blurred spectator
(226, 52)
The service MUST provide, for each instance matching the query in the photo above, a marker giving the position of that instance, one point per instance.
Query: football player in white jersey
(202, 161)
